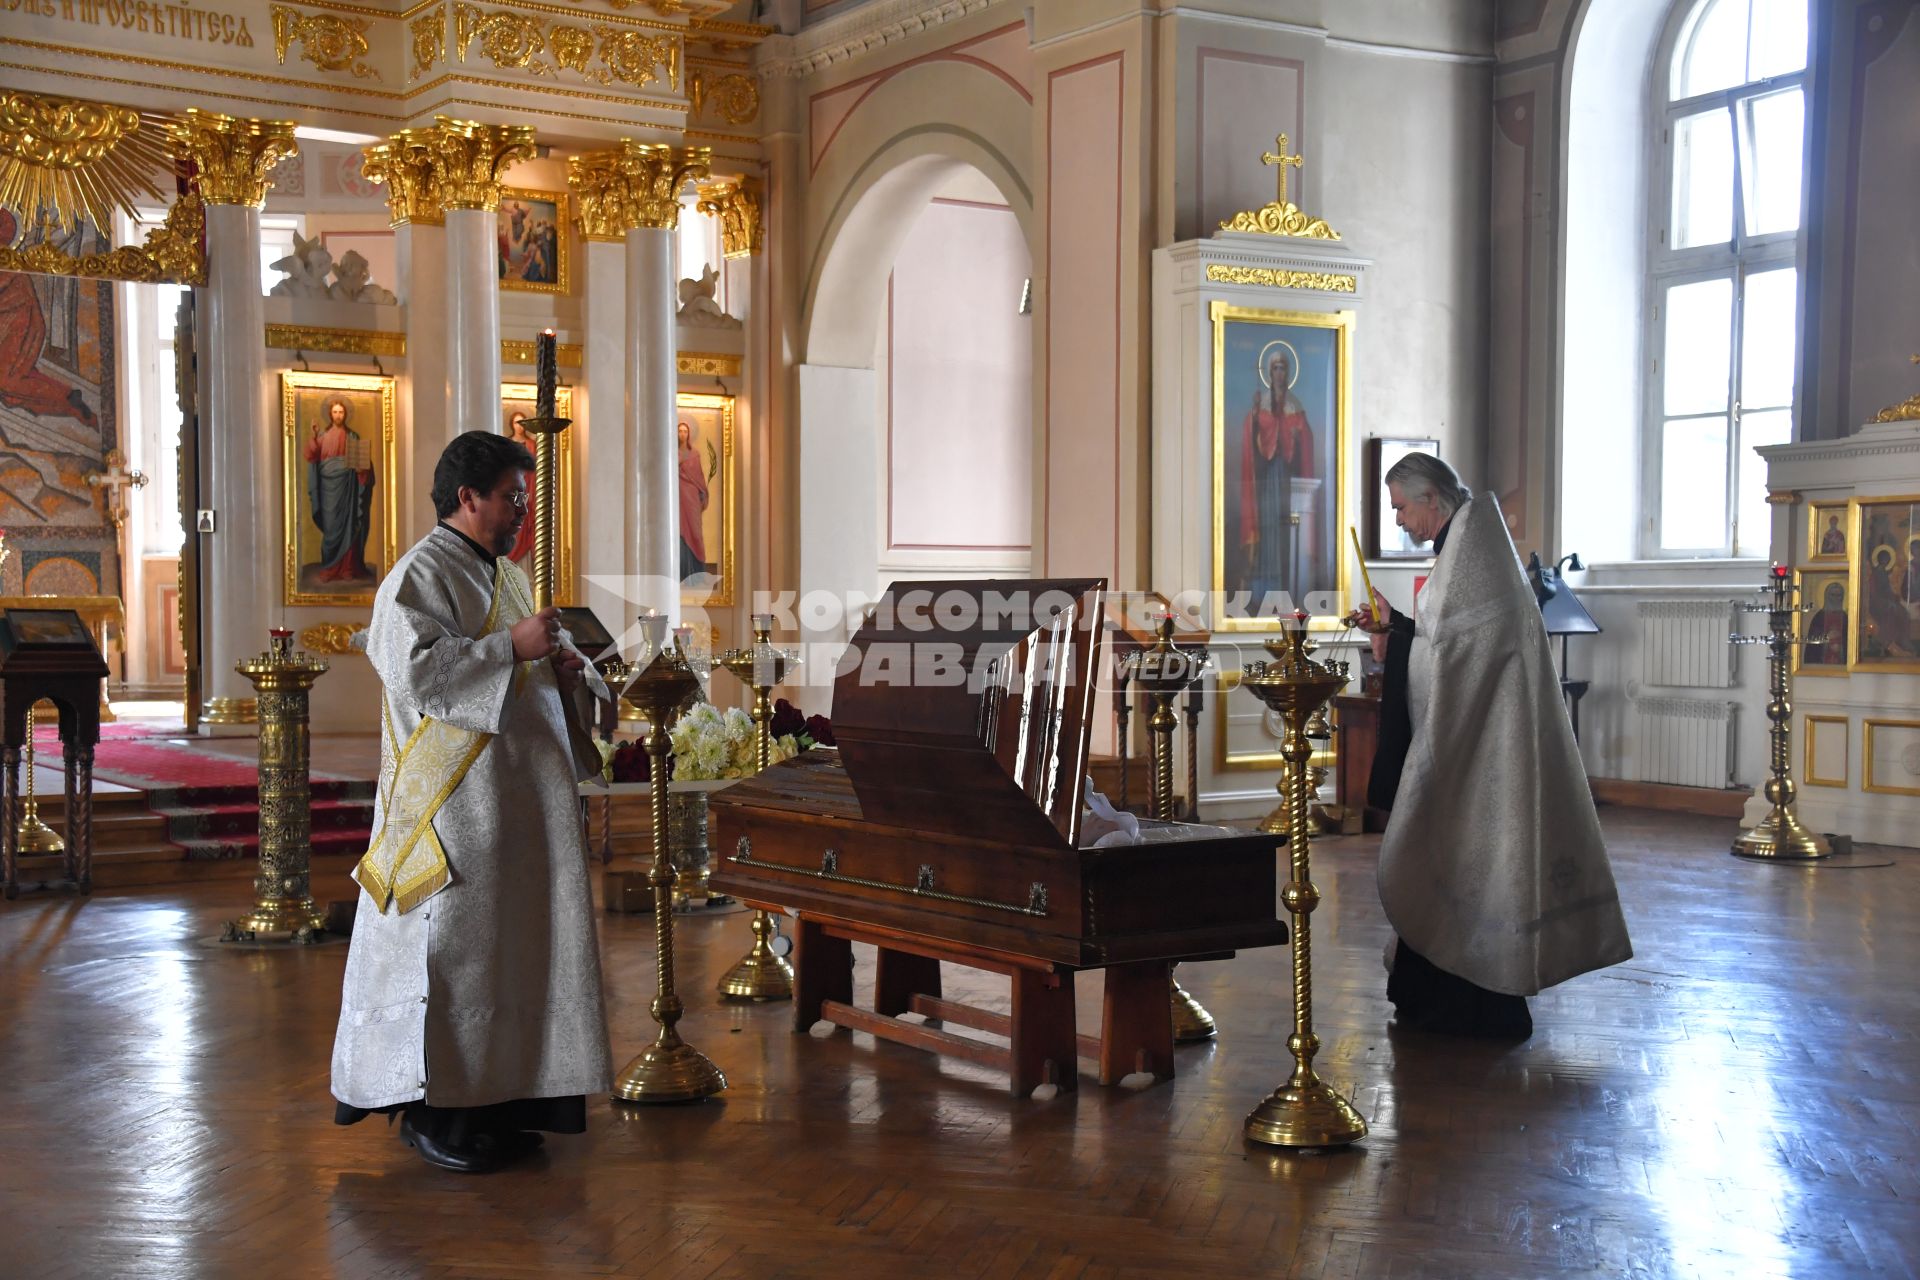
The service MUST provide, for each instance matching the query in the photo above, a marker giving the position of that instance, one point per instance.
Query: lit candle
(546, 373)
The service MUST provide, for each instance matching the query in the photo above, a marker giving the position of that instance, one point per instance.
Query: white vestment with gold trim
(487, 989)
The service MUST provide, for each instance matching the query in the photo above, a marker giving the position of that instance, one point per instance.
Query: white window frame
(1735, 259)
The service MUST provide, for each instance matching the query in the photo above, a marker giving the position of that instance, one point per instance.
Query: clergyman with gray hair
(1493, 871)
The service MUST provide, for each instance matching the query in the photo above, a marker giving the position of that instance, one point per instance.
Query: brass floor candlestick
(1305, 1111)
(1779, 836)
(32, 836)
(669, 1069)
(284, 904)
(1163, 672)
(763, 973)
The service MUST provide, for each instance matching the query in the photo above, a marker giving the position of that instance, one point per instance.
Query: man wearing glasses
(472, 1004)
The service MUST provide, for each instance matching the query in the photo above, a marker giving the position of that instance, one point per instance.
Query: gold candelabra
(669, 1069)
(1163, 672)
(763, 973)
(32, 836)
(1305, 1111)
(1779, 835)
(283, 903)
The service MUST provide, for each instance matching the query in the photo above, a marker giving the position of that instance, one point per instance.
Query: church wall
(1862, 325)
(956, 367)
(868, 120)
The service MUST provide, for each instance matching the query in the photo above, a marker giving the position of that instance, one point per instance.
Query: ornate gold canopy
(76, 161)
(64, 161)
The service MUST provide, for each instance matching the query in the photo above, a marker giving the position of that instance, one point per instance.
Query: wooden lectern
(49, 654)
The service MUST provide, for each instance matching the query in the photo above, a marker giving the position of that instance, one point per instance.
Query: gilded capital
(737, 203)
(637, 184)
(235, 158)
(452, 164)
(599, 193)
(403, 165)
(468, 159)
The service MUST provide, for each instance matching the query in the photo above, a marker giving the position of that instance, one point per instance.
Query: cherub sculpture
(352, 282)
(697, 307)
(305, 270)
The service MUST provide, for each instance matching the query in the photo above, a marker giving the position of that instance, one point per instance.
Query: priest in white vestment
(472, 1002)
(1493, 871)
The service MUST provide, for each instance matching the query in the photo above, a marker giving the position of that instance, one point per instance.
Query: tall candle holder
(1163, 672)
(669, 1069)
(546, 427)
(1305, 1111)
(284, 902)
(32, 836)
(763, 973)
(1780, 836)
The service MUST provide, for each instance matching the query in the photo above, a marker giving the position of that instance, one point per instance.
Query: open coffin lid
(967, 706)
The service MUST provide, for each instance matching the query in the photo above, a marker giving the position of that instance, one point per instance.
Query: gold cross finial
(1283, 160)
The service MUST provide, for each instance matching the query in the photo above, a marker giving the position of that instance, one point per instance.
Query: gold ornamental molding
(1282, 278)
(429, 42)
(733, 95)
(727, 37)
(173, 253)
(349, 342)
(517, 351)
(1282, 217)
(326, 40)
(234, 158)
(737, 203)
(1906, 411)
(637, 184)
(79, 160)
(712, 364)
(330, 637)
(453, 164)
(511, 39)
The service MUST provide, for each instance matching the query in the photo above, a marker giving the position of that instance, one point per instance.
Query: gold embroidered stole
(406, 864)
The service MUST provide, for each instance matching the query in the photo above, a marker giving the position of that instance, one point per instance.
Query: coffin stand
(947, 828)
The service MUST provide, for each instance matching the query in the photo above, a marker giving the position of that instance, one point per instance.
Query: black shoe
(441, 1155)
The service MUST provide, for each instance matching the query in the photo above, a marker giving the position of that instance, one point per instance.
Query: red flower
(820, 729)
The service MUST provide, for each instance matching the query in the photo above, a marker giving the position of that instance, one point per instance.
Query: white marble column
(651, 381)
(473, 322)
(603, 447)
(240, 450)
(423, 272)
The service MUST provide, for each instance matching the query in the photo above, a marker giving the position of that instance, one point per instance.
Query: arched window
(1727, 193)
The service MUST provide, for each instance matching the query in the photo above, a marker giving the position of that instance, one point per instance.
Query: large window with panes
(1729, 107)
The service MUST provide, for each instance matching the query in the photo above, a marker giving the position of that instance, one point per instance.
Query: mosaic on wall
(57, 421)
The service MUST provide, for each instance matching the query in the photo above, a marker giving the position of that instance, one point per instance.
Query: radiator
(1687, 742)
(1683, 643)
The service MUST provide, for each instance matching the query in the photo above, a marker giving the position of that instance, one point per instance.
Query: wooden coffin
(953, 806)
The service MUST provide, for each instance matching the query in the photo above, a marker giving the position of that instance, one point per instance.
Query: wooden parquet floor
(1738, 1100)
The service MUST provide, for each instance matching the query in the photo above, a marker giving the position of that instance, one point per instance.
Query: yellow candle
(1373, 606)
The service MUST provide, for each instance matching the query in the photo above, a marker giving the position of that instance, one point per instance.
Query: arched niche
(883, 189)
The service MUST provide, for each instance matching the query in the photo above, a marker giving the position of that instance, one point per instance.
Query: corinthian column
(401, 163)
(240, 446)
(643, 182)
(600, 444)
(453, 171)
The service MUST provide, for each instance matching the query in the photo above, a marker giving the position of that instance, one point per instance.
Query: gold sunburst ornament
(76, 161)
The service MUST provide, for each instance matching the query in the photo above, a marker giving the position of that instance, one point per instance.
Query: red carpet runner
(212, 802)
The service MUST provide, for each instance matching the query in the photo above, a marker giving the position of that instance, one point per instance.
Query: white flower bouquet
(711, 743)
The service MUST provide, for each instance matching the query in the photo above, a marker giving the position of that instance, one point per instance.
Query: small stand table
(49, 654)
